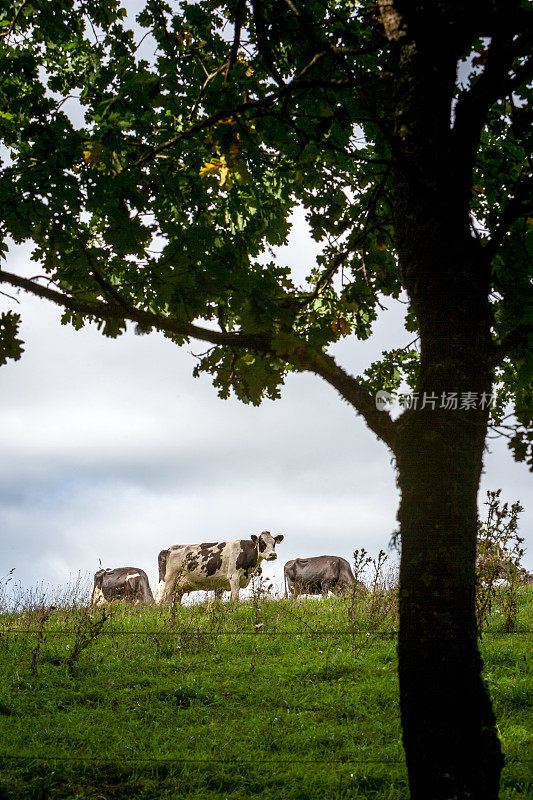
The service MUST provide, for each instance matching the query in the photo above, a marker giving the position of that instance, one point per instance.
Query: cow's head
(266, 544)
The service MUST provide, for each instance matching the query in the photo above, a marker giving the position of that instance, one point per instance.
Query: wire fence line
(173, 760)
(224, 761)
(196, 632)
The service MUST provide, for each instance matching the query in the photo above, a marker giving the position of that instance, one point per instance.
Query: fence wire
(172, 760)
(224, 761)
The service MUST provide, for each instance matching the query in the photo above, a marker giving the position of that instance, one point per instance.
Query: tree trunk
(449, 729)
(449, 733)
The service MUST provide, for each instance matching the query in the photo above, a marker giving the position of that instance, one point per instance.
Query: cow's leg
(218, 594)
(98, 598)
(177, 596)
(130, 590)
(234, 585)
(159, 592)
(325, 589)
(147, 595)
(164, 594)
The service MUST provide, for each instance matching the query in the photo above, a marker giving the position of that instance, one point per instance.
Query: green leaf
(10, 346)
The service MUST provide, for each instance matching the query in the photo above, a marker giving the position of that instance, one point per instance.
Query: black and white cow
(318, 575)
(213, 566)
(122, 583)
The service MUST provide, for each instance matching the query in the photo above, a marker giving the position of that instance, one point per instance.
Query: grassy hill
(269, 699)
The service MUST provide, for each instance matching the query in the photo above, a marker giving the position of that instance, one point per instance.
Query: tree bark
(449, 732)
(449, 728)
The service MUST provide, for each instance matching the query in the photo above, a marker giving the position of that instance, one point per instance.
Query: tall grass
(17, 599)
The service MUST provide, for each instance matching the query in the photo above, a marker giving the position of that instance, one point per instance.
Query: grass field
(270, 699)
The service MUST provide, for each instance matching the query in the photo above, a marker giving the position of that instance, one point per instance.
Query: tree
(153, 192)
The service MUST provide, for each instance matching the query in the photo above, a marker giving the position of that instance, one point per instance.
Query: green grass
(200, 706)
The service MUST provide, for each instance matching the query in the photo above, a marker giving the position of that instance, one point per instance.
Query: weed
(87, 630)
(4, 592)
(499, 552)
(44, 616)
(371, 610)
(261, 591)
(361, 561)
(383, 592)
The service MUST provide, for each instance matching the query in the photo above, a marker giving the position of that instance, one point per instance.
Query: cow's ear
(254, 538)
(279, 538)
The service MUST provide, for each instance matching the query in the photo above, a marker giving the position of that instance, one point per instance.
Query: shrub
(499, 552)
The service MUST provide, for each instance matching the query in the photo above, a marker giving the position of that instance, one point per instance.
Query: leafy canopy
(154, 188)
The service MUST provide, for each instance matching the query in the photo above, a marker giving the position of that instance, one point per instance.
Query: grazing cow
(212, 566)
(122, 583)
(318, 575)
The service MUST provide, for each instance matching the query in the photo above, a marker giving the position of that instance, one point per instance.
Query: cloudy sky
(111, 451)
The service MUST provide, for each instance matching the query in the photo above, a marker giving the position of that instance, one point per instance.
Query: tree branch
(298, 354)
(324, 365)
(519, 205)
(355, 240)
(239, 18)
(247, 105)
(262, 42)
(119, 311)
(494, 83)
(512, 345)
(7, 34)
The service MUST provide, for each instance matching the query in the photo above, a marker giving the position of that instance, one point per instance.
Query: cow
(122, 583)
(318, 575)
(212, 566)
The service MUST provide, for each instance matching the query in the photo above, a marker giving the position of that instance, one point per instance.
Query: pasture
(268, 699)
